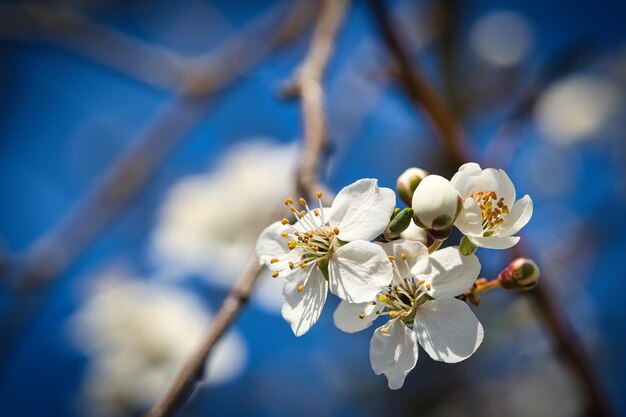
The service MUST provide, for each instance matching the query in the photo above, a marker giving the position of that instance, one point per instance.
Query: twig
(309, 88)
(451, 133)
(420, 91)
(153, 65)
(307, 84)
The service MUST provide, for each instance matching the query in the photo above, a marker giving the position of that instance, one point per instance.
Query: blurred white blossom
(577, 108)
(501, 38)
(137, 335)
(209, 222)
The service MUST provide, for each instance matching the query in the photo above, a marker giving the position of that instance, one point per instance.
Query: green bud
(401, 221)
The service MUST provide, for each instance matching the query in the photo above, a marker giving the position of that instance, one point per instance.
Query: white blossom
(491, 216)
(421, 308)
(209, 222)
(137, 335)
(329, 248)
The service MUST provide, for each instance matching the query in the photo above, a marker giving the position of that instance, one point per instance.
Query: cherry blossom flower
(491, 216)
(329, 248)
(137, 335)
(205, 224)
(421, 308)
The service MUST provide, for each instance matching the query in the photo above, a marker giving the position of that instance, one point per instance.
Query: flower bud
(436, 205)
(408, 182)
(521, 274)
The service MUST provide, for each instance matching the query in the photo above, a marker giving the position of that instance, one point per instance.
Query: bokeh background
(128, 208)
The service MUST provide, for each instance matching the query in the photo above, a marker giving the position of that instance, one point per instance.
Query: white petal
(362, 210)
(451, 273)
(270, 243)
(471, 179)
(447, 329)
(394, 353)
(414, 232)
(416, 256)
(436, 203)
(470, 221)
(358, 271)
(302, 309)
(518, 217)
(346, 316)
(494, 242)
(465, 178)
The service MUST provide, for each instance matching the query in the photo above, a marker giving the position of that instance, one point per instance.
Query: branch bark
(308, 85)
(451, 133)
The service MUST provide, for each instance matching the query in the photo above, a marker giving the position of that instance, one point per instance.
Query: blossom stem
(435, 245)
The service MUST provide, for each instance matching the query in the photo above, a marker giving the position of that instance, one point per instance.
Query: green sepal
(401, 221)
(466, 247)
(323, 266)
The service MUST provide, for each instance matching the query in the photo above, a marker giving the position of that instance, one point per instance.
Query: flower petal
(347, 316)
(358, 271)
(302, 308)
(471, 178)
(394, 353)
(520, 214)
(416, 256)
(470, 221)
(447, 329)
(270, 243)
(494, 242)
(362, 210)
(451, 273)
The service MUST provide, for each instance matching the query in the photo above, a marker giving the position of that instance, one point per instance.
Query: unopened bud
(521, 274)
(436, 205)
(408, 182)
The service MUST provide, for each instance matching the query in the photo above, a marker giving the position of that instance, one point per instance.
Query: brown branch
(310, 90)
(307, 84)
(151, 64)
(420, 91)
(451, 134)
(148, 63)
(58, 249)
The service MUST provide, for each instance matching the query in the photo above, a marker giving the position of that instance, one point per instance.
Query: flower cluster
(374, 257)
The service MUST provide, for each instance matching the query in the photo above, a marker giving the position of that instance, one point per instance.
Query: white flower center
(493, 209)
(314, 239)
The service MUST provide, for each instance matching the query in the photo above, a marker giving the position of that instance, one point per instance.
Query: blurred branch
(154, 65)
(59, 248)
(420, 91)
(308, 86)
(451, 134)
(148, 63)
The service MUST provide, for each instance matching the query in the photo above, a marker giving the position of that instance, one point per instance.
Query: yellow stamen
(274, 274)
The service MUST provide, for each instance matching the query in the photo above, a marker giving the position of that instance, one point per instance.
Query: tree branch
(451, 134)
(59, 248)
(307, 84)
(420, 91)
(310, 90)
